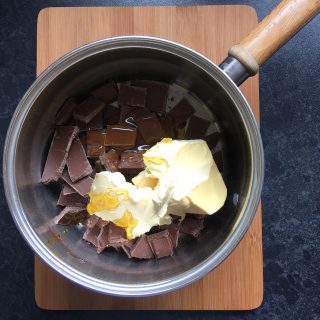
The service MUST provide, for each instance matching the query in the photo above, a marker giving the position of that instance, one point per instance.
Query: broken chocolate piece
(157, 94)
(121, 136)
(95, 123)
(70, 198)
(168, 126)
(132, 96)
(107, 93)
(95, 143)
(150, 128)
(197, 128)
(142, 249)
(77, 162)
(161, 244)
(82, 186)
(58, 153)
(111, 115)
(127, 247)
(218, 158)
(71, 215)
(191, 226)
(212, 139)
(173, 232)
(103, 239)
(131, 162)
(129, 114)
(91, 234)
(88, 109)
(64, 115)
(94, 151)
(181, 112)
(92, 221)
(110, 160)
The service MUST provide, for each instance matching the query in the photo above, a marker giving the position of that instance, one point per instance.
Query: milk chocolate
(173, 229)
(70, 198)
(64, 115)
(157, 94)
(191, 226)
(58, 153)
(181, 112)
(107, 93)
(131, 162)
(142, 249)
(197, 128)
(150, 128)
(160, 244)
(95, 143)
(95, 123)
(71, 215)
(88, 109)
(95, 151)
(77, 162)
(110, 160)
(82, 186)
(132, 96)
(121, 136)
(111, 235)
(212, 139)
(91, 234)
(127, 247)
(168, 126)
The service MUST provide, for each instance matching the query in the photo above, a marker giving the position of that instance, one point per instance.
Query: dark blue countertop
(290, 126)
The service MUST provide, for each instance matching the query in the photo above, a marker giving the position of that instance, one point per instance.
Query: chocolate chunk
(95, 151)
(157, 94)
(168, 126)
(110, 160)
(103, 239)
(150, 128)
(212, 139)
(95, 123)
(132, 96)
(107, 93)
(197, 128)
(218, 158)
(71, 215)
(91, 234)
(111, 235)
(58, 153)
(88, 109)
(181, 112)
(131, 162)
(111, 115)
(92, 221)
(129, 114)
(70, 198)
(161, 244)
(191, 226)
(173, 232)
(121, 136)
(116, 234)
(142, 249)
(82, 186)
(64, 115)
(77, 162)
(127, 247)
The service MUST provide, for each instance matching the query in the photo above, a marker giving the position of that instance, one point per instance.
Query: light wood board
(237, 284)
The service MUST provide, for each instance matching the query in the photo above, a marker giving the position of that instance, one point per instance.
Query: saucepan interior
(34, 205)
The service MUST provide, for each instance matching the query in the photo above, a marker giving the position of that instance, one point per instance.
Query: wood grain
(237, 284)
(278, 27)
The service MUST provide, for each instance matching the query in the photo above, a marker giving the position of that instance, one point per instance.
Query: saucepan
(33, 205)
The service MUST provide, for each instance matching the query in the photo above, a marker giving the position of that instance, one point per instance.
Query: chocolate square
(110, 160)
(82, 186)
(142, 249)
(111, 115)
(157, 94)
(70, 198)
(150, 128)
(160, 244)
(131, 162)
(121, 136)
(129, 114)
(181, 112)
(88, 109)
(132, 96)
(107, 93)
(197, 128)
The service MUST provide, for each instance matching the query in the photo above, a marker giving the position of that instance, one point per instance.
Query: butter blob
(180, 176)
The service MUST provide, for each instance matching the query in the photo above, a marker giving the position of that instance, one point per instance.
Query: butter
(180, 176)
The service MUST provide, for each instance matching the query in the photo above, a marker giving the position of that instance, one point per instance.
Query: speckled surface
(290, 126)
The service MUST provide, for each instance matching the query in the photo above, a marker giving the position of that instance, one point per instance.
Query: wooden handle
(273, 32)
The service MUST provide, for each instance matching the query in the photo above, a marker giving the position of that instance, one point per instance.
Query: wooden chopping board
(237, 284)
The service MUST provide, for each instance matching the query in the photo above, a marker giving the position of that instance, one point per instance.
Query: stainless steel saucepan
(123, 58)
